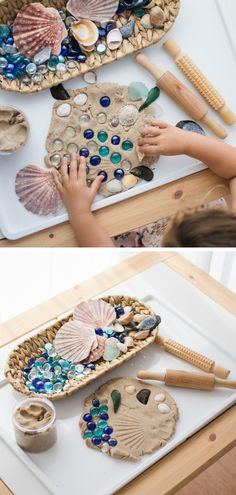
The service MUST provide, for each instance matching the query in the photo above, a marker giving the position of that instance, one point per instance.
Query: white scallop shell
(75, 340)
(36, 190)
(93, 9)
(114, 39)
(97, 313)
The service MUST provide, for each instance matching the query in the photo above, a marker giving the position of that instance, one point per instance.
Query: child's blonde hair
(202, 227)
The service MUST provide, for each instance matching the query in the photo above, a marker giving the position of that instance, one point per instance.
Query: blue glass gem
(105, 437)
(5, 32)
(88, 134)
(31, 361)
(45, 355)
(102, 32)
(35, 381)
(84, 152)
(72, 55)
(105, 101)
(96, 441)
(108, 430)
(112, 442)
(10, 67)
(96, 403)
(121, 8)
(95, 160)
(99, 331)
(122, 338)
(115, 140)
(91, 426)
(64, 50)
(110, 26)
(91, 366)
(82, 58)
(87, 417)
(27, 370)
(104, 416)
(119, 311)
(104, 175)
(119, 173)
(10, 41)
(39, 386)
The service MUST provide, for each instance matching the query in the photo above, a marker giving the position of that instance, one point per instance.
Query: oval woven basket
(34, 346)
(141, 39)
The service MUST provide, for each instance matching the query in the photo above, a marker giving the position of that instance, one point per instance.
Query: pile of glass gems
(98, 430)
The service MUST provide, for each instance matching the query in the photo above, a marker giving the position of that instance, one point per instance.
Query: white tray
(200, 30)
(71, 467)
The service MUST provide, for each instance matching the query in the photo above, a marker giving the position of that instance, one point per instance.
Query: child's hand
(162, 139)
(72, 186)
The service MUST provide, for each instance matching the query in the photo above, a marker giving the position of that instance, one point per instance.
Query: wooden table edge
(150, 479)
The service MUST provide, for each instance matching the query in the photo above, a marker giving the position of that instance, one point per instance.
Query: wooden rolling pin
(184, 97)
(195, 358)
(200, 81)
(187, 379)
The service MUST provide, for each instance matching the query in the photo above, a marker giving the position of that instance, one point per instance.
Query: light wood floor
(218, 479)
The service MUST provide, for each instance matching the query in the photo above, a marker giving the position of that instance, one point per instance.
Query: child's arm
(162, 139)
(77, 198)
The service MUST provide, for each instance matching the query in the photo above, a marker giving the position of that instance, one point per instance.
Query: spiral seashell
(37, 27)
(97, 313)
(95, 10)
(36, 190)
(75, 340)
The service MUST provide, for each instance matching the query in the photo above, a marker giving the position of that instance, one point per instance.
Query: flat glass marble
(102, 136)
(115, 158)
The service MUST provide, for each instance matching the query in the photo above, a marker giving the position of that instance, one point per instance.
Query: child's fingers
(96, 185)
(151, 131)
(82, 174)
(149, 150)
(57, 179)
(64, 170)
(74, 167)
(161, 124)
(148, 140)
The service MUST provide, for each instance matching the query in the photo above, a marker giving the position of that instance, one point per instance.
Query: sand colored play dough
(13, 130)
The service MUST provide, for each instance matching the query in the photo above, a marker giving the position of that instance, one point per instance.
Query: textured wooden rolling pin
(196, 108)
(199, 80)
(187, 379)
(198, 360)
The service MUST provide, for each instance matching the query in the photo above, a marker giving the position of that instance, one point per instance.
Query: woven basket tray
(141, 38)
(19, 357)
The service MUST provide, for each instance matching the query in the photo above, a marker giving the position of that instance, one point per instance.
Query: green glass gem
(103, 408)
(102, 136)
(137, 91)
(88, 434)
(95, 411)
(139, 12)
(127, 145)
(104, 151)
(102, 424)
(116, 399)
(98, 433)
(61, 59)
(115, 158)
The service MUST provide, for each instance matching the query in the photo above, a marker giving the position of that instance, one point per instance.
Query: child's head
(202, 228)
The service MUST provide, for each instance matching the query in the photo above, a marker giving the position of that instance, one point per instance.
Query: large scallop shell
(37, 27)
(97, 313)
(74, 341)
(95, 10)
(97, 353)
(36, 190)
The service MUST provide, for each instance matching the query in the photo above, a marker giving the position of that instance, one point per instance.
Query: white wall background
(28, 277)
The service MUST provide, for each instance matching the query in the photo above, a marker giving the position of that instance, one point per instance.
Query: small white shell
(130, 389)
(128, 115)
(64, 110)
(129, 181)
(126, 318)
(129, 341)
(85, 32)
(163, 408)
(114, 39)
(105, 448)
(114, 186)
(159, 398)
(80, 99)
(122, 347)
(118, 327)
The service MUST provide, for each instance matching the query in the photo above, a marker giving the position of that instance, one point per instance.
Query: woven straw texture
(141, 39)
(19, 357)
